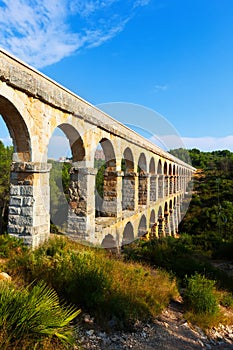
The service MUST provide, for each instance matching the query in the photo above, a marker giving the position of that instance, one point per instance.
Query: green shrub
(31, 315)
(200, 295)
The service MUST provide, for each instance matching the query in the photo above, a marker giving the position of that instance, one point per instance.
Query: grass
(105, 287)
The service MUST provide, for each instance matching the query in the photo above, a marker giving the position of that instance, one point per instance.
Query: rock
(88, 319)
(5, 277)
(90, 332)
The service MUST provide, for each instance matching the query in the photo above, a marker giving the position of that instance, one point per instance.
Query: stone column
(174, 184)
(166, 185)
(167, 224)
(172, 222)
(153, 188)
(128, 191)
(176, 222)
(136, 191)
(161, 186)
(154, 230)
(29, 216)
(143, 189)
(112, 196)
(171, 184)
(81, 212)
(161, 226)
(178, 212)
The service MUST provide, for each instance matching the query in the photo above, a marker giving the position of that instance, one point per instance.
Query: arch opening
(142, 227)
(17, 129)
(6, 155)
(66, 153)
(128, 234)
(109, 243)
(106, 180)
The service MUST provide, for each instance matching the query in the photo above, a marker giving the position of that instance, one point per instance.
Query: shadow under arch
(128, 234)
(142, 227)
(109, 242)
(18, 130)
(152, 218)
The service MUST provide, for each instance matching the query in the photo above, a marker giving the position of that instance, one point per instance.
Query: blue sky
(172, 56)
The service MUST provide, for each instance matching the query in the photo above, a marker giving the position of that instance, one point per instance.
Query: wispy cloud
(42, 32)
(209, 143)
(158, 87)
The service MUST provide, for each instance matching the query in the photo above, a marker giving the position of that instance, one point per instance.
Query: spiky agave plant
(33, 314)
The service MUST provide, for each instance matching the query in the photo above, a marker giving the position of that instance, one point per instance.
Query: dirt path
(169, 331)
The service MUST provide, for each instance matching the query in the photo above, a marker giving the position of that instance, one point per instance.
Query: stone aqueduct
(144, 198)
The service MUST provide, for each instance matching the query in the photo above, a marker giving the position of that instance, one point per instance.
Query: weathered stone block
(26, 190)
(15, 201)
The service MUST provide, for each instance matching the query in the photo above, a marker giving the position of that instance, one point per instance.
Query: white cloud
(42, 32)
(209, 143)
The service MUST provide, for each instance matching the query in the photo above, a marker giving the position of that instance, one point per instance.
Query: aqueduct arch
(18, 130)
(143, 195)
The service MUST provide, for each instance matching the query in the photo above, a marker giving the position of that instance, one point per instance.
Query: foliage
(200, 296)
(209, 218)
(102, 286)
(182, 154)
(202, 302)
(32, 314)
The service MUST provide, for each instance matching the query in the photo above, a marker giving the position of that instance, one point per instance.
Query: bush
(30, 316)
(200, 296)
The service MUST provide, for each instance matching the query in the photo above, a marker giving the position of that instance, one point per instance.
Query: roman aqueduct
(143, 198)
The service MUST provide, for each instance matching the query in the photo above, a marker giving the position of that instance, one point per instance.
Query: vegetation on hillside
(209, 219)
